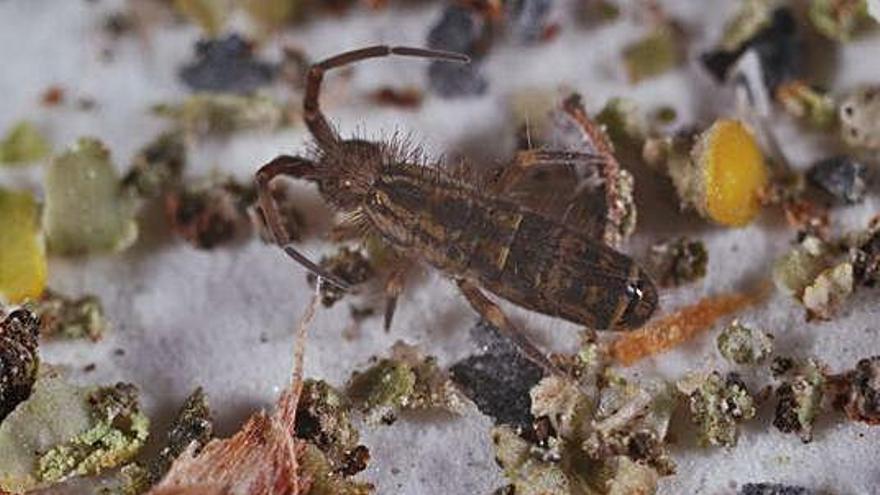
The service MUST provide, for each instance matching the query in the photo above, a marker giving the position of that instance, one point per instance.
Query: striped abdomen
(520, 255)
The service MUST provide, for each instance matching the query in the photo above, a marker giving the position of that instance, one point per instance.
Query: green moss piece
(210, 15)
(838, 19)
(23, 144)
(382, 389)
(223, 114)
(23, 265)
(743, 345)
(85, 211)
(323, 419)
(798, 268)
(652, 55)
(63, 430)
(718, 404)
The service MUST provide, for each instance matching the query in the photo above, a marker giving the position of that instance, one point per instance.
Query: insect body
(471, 233)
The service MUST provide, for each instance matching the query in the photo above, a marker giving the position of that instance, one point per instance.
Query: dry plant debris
(19, 359)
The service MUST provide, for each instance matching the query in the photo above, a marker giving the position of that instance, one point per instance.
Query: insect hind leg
(314, 118)
(296, 167)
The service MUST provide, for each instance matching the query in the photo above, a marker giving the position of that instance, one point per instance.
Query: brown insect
(474, 234)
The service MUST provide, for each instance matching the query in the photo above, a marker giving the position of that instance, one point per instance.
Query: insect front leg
(492, 313)
(298, 168)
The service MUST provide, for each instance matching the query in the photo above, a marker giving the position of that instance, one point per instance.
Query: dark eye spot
(848, 110)
(634, 291)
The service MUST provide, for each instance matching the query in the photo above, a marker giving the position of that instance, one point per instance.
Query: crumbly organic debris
(864, 255)
(19, 359)
(596, 433)
(726, 175)
(772, 489)
(842, 177)
(838, 19)
(799, 399)
(857, 392)
(823, 297)
(63, 430)
(157, 166)
(210, 15)
(70, 318)
(751, 17)
(227, 65)
(210, 213)
(860, 118)
(204, 114)
(23, 263)
(349, 264)
(406, 380)
(667, 332)
(798, 268)
(323, 419)
(193, 427)
(85, 209)
(653, 55)
(23, 144)
(809, 104)
(498, 379)
(678, 261)
(744, 345)
(718, 404)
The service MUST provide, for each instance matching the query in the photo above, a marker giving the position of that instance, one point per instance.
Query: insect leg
(526, 160)
(393, 287)
(494, 315)
(314, 118)
(297, 167)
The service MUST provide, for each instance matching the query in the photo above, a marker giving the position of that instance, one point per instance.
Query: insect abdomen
(522, 256)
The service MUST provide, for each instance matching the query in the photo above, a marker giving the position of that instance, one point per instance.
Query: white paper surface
(185, 317)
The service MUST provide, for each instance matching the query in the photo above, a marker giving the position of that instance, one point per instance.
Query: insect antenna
(314, 117)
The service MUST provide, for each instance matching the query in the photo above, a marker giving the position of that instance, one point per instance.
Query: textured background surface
(187, 317)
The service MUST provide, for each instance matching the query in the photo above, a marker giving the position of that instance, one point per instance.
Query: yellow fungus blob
(733, 173)
(22, 252)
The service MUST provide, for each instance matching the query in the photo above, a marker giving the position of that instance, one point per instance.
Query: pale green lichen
(323, 419)
(653, 55)
(795, 270)
(799, 399)
(211, 15)
(85, 211)
(70, 318)
(220, 113)
(678, 261)
(824, 296)
(118, 431)
(744, 345)
(838, 19)
(407, 380)
(624, 122)
(804, 102)
(23, 144)
(325, 479)
(63, 430)
(752, 16)
(718, 404)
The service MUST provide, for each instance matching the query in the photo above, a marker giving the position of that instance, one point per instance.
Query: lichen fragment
(210, 15)
(799, 399)
(838, 19)
(678, 261)
(744, 345)
(717, 404)
(653, 55)
(63, 431)
(204, 114)
(85, 211)
(70, 318)
(23, 264)
(210, 212)
(157, 166)
(23, 144)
